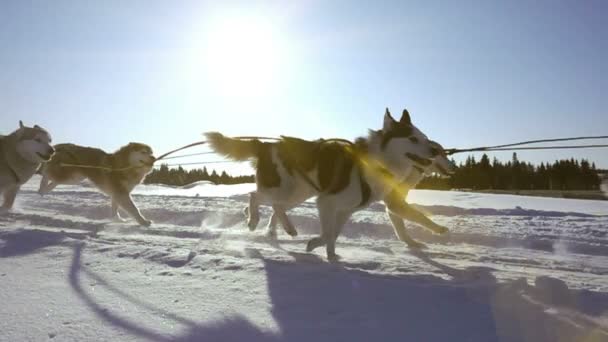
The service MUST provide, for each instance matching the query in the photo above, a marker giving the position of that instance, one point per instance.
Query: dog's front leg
(397, 205)
(9, 197)
(331, 225)
(125, 201)
(46, 185)
(115, 213)
(253, 212)
(400, 231)
(327, 218)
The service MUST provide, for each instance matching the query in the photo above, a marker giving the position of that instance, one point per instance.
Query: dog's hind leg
(254, 211)
(401, 233)
(281, 215)
(9, 197)
(125, 201)
(399, 207)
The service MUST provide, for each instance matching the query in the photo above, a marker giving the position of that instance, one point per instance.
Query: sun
(244, 57)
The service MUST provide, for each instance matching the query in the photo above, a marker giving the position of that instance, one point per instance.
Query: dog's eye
(414, 140)
(38, 140)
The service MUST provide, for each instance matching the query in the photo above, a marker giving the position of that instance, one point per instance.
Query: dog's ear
(19, 132)
(405, 118)
(37, 127)
(388, 121)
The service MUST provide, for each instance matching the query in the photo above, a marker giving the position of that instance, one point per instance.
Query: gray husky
(345, 178)
(117, 175)
(21, 154)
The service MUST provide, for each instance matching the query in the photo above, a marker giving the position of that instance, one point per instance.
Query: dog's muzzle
(46, 157)
(150, 162)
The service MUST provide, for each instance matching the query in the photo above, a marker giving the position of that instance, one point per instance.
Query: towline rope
(165, 156)
(505, 147)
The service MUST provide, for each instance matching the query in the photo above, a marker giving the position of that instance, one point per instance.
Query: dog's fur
(117, 184)
(382, 166)
(21, 154)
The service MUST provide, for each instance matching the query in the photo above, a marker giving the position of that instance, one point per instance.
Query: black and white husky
(345, 178)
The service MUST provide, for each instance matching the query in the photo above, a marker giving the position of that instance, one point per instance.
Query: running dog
(21, 154)
(115, 174)
(382, 166)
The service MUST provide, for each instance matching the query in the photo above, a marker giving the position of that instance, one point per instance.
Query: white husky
(21, 154)
(382, 166)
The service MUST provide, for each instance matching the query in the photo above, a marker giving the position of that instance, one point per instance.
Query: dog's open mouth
(44, 157)
(443, 171)
(147, 163)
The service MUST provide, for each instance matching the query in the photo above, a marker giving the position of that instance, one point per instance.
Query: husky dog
(383, 166)
(21, 154)
(115, 174)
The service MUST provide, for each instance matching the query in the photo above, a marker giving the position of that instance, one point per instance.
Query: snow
(513, 268)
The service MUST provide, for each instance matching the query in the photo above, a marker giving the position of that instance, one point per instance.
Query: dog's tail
(234, 149)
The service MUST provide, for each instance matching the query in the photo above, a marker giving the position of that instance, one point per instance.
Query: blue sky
(103, 73)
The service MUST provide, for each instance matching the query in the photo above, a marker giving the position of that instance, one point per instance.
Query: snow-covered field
(512, 269)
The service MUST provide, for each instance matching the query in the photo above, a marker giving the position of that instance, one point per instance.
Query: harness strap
(307, 179)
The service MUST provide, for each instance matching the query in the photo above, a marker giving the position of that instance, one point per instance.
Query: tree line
(566, 174)
(179, 176)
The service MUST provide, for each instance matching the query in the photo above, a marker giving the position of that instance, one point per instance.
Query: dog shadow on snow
(235, 328)
(22, 242)
(318, 301)
(312, 300)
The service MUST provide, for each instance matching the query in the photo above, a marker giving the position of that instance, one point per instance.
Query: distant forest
(567, 174)
(179, 176)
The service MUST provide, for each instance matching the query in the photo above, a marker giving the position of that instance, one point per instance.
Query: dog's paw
(252, 222)
(145, 223)
(291, 232)
(441, 230)
(118, 219)
(333, 258)
(314, 243)
(271, 234)
(415, 245)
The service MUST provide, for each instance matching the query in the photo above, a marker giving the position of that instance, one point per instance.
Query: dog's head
(441, 164)
(404, 144)
(33, 143)
(139, 155)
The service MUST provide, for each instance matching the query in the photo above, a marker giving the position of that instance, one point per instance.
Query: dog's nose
(435, 152)
(51, 151)
(153, 158)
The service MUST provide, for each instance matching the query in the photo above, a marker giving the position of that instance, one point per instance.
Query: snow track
(529, 271)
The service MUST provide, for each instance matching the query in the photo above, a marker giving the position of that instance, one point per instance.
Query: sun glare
(244, 57)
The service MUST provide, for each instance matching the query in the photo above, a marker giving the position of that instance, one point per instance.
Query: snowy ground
(512, 269)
